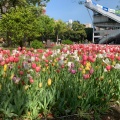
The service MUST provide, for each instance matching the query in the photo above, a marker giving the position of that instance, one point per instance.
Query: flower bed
(76, 79)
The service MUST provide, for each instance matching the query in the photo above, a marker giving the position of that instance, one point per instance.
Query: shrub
(36, 44)
(68, 42)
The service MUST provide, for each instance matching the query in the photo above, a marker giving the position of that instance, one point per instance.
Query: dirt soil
(113, 114)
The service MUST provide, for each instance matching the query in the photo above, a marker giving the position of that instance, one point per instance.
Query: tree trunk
(57, 38)
(8, 39)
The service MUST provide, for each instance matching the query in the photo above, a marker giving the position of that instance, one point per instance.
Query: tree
(5, 5)
(20, 23)
(89, 32)
(78, 31)
(60, 28)
(47, 25)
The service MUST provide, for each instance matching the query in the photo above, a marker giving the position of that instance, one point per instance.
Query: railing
(104, 13)
(110, 37)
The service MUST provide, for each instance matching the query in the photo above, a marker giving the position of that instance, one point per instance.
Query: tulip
(26, 87)
(5, 68)
(16, 59)
(40, 85)
(11, 58)
(108, 67)
(73, 71)
(86, 76)
(2, 63)
(21, 72)
(49, 82)
(84, 57)
(37, 69)
(0, 86)
(7, 60)
(91, 71)
(31, 80)
(33, 65)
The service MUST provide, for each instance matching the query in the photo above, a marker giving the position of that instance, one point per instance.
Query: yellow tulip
(40, 85)
(5, 68)
(101, 78)
(81, 66)
(83, 71)
(28, 113)
(113, 63)
(49, 82)
(47, 67)
(4, 74)
(55, 60)
(87, 68)
(79, 97)
(0, 86)
(11, 77)
(43, 69)
(88, 64)
(26, 87)
(109, 81)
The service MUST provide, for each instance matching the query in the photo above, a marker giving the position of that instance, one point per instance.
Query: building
(106, 23)
(88, 25)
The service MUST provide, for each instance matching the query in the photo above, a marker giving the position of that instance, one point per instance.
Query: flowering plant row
(76, 79)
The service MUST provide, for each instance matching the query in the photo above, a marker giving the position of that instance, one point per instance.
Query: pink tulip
(112, 56)
(21, 72)
(37, 69)
(31, 80)
(17, 55)
(84, 57)
(108, 67)
(11, 58)
(91, 71)
(7, 60)
(73, 71)
(19, 48)
(36, 59)
(2, 63)
(33, 65)
(16, 59)
(118, 58)
(86, 76)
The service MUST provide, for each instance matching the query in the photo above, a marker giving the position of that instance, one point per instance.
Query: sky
(70, 9)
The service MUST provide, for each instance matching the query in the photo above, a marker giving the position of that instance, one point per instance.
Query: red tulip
(84, 57)
(37, 69)
(7, 60)
(21, 72)
(16, 59)
(2, 63)
(108, 67)
(33, 65)
(86, 76)
(31, 80)
(11, 58)
(36, 59)
(91, 71)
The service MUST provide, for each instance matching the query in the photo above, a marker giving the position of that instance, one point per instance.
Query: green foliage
(55, 89)
(60, 28)
(19, 24)
(20, 3)
(89, 32)
(36, 44)
(68, 42)
(76, 32)
(47, 26)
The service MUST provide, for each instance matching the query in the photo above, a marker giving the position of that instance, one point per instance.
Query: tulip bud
(49, 82)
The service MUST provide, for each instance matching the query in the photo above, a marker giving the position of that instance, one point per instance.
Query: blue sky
(70, 9)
